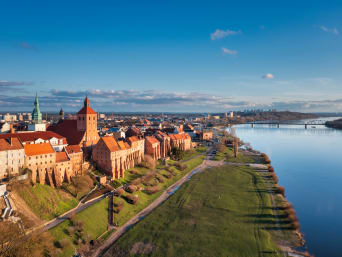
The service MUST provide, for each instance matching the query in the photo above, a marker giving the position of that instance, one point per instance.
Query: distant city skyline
(171, 56)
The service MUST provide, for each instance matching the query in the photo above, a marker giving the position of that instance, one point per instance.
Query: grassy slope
(94, 219)
(45, 201)
(217, 213)
(130, 210)
(228, 155)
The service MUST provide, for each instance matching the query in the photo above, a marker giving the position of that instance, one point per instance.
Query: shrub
(270, 168)
(118, 192)
(118, 203)
(168, 176)
(136, 182)
(148, 177)
(280, 190)
(132, 199)
(160, 178)
(266, 158)
(149, 162)
(275, 178)
(118, 209)
(180, 166)
(64, 243)
(295, 225)
(152, 190)
(134, 172)
(131, 188)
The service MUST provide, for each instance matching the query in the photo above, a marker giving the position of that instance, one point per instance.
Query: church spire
(36, 114)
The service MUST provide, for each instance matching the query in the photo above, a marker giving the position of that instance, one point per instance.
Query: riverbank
(236, 205)
(336, 124)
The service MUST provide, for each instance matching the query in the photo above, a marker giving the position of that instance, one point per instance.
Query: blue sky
(171, 55)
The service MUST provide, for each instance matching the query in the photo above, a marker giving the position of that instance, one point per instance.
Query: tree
(177, 153)
(236, 146)
(14, 242)
(149, 162)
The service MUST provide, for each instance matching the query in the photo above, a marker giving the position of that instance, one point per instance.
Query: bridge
(277, 124)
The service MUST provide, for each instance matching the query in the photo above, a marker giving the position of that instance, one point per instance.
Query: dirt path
(165, 195)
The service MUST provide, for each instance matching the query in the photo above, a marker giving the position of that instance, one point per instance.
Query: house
(181, 141)
(12, 157)
(75, 154)
(206, 135)
(41, 160)
(114, 157)
(57, 141)
(152, 147)
(165, 144)
(63, 169)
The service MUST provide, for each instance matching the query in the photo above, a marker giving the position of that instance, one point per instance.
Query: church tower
(87, 122)
(36, 114)
(61, 114)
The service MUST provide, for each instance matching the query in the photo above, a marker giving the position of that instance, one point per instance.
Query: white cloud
(268, 76)
(329, 30)
(219, 33)
(228, 51)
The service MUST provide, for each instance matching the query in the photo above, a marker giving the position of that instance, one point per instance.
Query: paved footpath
(165, 195)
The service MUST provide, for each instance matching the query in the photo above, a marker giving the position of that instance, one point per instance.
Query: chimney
(12, 131)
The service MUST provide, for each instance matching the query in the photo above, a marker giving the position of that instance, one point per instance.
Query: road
(164, 196)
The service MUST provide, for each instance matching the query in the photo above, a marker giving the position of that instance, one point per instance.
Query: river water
(308, 163)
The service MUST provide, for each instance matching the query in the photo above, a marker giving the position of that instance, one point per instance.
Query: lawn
(194, 152)
(94, 220)
(46, 202)
(145, 199)
(228, 155)
(223, 211)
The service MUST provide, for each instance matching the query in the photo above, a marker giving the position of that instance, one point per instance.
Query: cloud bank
(228, 51)
(330, 30)
(219, 33)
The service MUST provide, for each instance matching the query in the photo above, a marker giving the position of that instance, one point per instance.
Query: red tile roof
(111, 143)
(33, 136)
(86, 110)
(61, 157)
(38, 149)
(68, 129)
(179, 136)
(70, 149)
(152, 140)
(10, 144)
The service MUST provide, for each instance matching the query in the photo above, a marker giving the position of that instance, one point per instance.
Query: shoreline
(290, 247)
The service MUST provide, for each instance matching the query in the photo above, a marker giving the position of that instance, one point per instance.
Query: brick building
(152, 147)
(115, 157)
(41, 160)
(165, 144)
(181, 141)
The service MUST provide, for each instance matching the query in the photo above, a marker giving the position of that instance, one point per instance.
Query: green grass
(94, 220)
(145, 199)
(223, 211)
(46, 202)
(194, 152)
(228, 155)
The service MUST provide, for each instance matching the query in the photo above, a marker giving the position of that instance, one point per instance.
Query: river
(308, 163)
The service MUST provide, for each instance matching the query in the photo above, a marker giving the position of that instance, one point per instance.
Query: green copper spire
(36, 114)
